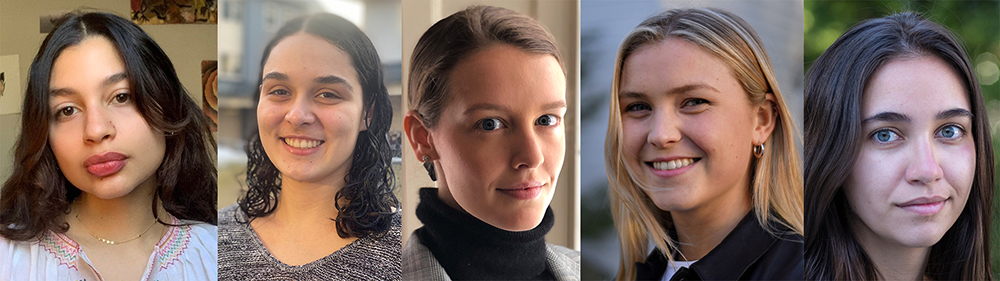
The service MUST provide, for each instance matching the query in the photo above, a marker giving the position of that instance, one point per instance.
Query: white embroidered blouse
(185, 252)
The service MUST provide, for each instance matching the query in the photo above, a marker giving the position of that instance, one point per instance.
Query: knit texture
(470, 249)
(243, 257)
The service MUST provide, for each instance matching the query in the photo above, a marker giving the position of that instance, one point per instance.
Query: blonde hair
(776, 182)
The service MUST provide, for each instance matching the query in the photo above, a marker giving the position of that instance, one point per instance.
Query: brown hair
(37, 195)
(458, 36)
(834, 89)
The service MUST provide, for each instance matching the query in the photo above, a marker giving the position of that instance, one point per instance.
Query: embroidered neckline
(168, 250)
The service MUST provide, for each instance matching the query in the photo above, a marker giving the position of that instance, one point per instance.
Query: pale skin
(310, 92)
(918, 145)
(681, 103)
(520, 99)
(93, 114)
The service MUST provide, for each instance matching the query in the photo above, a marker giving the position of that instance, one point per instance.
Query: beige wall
(186, 45)
(562, 20)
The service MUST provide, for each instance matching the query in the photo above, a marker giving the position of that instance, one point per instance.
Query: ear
(367, 118)
(419, 136)
(766, 115)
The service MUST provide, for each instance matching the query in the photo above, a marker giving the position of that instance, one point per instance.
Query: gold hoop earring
(758, 150)
(429, 165)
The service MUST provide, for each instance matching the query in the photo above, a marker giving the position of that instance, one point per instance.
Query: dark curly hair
(37, 195)
(370, 181)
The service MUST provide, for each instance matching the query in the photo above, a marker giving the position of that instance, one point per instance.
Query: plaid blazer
(419, 263)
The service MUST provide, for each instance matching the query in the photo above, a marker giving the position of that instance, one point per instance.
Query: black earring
(429, 165)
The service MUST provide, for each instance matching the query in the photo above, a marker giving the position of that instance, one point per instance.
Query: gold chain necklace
(110, 241)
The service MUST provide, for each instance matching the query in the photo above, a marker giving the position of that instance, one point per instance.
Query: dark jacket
(747, 253)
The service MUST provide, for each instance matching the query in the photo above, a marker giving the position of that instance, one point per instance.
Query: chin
(920, 238)
(523, 221)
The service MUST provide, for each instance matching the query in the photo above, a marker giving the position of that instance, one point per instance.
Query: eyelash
(501, 124)
(61, 113)
(959, 131)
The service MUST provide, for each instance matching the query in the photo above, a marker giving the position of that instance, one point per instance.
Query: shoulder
(784, 259)
(419, 263)
(564, 263)
(227, 216)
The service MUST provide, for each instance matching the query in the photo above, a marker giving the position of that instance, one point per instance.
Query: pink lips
(106, 164)
(924, 206)
(524, 191)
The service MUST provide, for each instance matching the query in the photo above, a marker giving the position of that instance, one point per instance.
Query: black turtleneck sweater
(469, 248)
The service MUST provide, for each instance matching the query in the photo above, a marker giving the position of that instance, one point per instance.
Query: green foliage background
(977, 24)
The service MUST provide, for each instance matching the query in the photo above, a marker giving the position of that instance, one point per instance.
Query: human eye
(637, 107)
(328, 95)
(693, 102)
(279, 92)
(547, 120)
(951, 131)
(122, 98)
(65, 112)
(490, 124)
(885, 136)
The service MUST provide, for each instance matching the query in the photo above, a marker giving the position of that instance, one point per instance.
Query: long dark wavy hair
(833, 91)
(370, 181)
(36, 197)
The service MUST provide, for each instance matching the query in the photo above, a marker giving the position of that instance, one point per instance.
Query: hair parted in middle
(370, 180)
(776, 182)
(834, 90)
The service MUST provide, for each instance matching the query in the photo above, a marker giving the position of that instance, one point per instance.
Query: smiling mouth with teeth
(673, 164)
(302, 143)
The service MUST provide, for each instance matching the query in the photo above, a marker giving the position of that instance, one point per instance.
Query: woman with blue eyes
(488, 97)
(700, 154)
(899, 167)
(319, 204)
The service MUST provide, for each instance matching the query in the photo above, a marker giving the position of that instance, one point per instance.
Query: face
(913, 175)
(688, 126)
(500, 138)
(310, 110)
(103, 145)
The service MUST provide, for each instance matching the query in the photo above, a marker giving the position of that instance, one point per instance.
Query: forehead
(506, 75)
(88, 62)
(921, 84)
(659, 66)
(309, 55)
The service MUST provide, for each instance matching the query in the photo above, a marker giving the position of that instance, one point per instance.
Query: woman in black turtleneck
(487, 92)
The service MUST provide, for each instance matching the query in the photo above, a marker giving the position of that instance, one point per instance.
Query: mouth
(925, 206)
(106, 164)
(302, 143)
(523, 191)
(672, 164)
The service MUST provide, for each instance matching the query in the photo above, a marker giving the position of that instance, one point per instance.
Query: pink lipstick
(106, 164)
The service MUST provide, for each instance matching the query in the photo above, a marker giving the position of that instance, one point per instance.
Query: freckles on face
(500, 138)
(310, 109)
(915, 169)
(687, 126)
(101, 142)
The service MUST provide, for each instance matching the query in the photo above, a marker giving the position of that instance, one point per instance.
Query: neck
(119, 217)
(307, 203)
(701, 229)
(893, 261)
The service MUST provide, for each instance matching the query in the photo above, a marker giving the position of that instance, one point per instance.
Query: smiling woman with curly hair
(320, 204)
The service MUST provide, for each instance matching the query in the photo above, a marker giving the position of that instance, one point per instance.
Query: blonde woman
(700, 154)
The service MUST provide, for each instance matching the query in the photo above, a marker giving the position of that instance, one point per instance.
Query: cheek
(959, 167)
(268, 115)
(634, 134)
(60, 141)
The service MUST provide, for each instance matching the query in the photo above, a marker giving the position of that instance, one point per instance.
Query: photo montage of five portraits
(499, 140)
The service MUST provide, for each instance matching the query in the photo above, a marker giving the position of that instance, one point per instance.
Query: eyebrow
(329, 79)
(896, 117)
(111, 80)
(674, 91)
(495, 107)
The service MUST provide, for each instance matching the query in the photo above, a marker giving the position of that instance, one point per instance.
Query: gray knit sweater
(243, 257)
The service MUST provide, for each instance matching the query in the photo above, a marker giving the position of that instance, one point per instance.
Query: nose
(664, 130)
(98, 126)
(924, 167)
(301, 112)
(527, 149)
